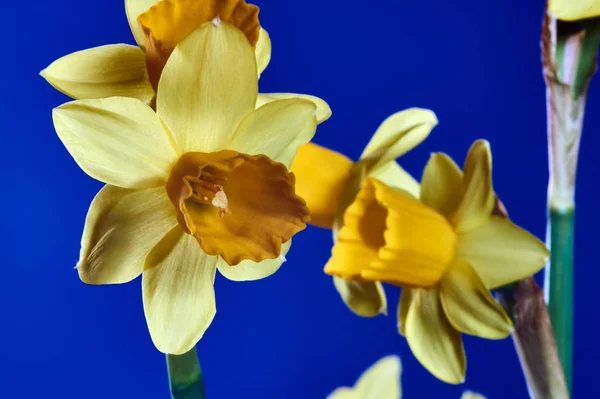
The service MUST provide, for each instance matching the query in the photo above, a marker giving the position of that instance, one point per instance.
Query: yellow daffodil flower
(134, 71)
(200, 184)
(446, 249)
(573, 10)
(329, 182)
(381, 381)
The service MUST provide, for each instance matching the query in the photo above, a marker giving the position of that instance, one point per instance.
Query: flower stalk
(569, 54)
(185, 376)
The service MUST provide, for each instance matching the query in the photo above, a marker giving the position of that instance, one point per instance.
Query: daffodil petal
(121, 228)
(276, 130)
(572, 10)
(248, 270)
(381, 380)
(501, 252)
(393, 175)
(406, 298)
(99, 72)
(134, 8)
(471, 395)
(117, 140)
(441, 186)
(399, 134)
(344, 393)
(263, 51)
(208, 87)
(479, 199)
(323, 110)
(469, 306)
(321, 175)
(179, 297)
(366, 299)
(434, 342)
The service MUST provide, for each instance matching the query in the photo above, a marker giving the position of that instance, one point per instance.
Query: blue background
(476, 64)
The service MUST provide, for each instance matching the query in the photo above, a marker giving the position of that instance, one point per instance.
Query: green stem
(185, 376)
(559, 285)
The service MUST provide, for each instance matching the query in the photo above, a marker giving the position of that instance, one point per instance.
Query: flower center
(208, 189)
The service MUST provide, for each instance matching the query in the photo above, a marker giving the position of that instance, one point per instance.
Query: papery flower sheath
(446, 249)
(572, 10)
(329, 182)
(199, 184)
(134, 71)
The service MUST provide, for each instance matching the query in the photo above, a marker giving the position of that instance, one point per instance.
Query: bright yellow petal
(381, 380)
(393, 175)
(501, 252)
(276, 130)
(399, 134)
(134, 8)
(471, 395)
(469, 306)
(263, 51)
(478, 200)
(179, 297)
(406, 298)
(441, 186)
(323, 110)
(433, 340)
(366, 299)
(99, 72)
(320, 177)
(248, 270)
(117, 140)
(344, 393)
(208, 87)
(121, 228)
(572, 10)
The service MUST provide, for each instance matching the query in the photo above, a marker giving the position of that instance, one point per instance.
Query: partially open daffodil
(201, 184)
(573, 10)
(329, 182)
(381, 381)
(446, 249)
(134, 71)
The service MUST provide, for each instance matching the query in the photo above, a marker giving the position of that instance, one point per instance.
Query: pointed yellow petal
(344, 393)
(105, 71)
(323, 110)
(433, 340)
(276, 130)
(134, 8)
(441, 186)
(399, 134)
(381, 380)
(501, 252)
(406, 298)
(320, 177)
(179, 297)
(471, 395)
(117, 140)
(208, 87)
(121, 228)
(393, 175)
(572, 10)
(478, 200)
(366, 299)
(469, 306)
(248, 270)
(263, 51)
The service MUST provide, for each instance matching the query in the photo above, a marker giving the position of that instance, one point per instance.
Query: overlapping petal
(99, 72)
(501, 252)
(572, 10)
(179, 297)
(248, 270)
(208, 87)
(134, 8)
(434, 342)
(276, 130)
(323, 111)
(121, 228)
(365, 298)
(469, 306)
(117, 140)
(381, 380)
(263, 51)
(441, 186)
(393, 175)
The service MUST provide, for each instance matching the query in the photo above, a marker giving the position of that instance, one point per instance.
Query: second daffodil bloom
(201, 184)
(134, 71)
(446, 249)
(573, 10)
(329, 182)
